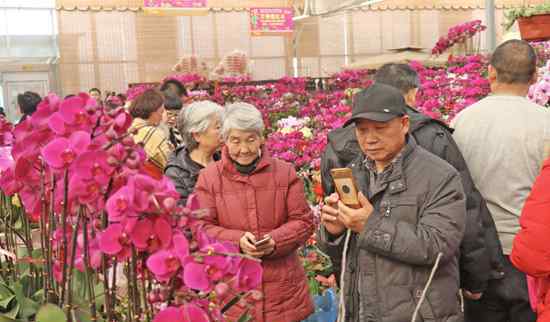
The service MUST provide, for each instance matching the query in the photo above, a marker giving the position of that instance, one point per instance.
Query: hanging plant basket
(535, 27)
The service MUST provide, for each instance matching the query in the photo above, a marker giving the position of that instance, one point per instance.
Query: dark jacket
(184, 172)
(481, 253)
(419, 212)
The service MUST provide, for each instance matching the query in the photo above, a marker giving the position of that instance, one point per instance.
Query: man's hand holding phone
(355, 219)
(329, 216)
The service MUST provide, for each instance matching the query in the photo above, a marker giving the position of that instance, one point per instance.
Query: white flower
(307, 133)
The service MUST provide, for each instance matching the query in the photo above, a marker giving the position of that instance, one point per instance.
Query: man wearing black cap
(481, 257)
(400, 248)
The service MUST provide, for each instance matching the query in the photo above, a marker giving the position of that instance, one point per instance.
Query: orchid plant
(80, 176)
(458, 34)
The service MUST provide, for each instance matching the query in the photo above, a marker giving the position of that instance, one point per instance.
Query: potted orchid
(112, 244)
(460, 38)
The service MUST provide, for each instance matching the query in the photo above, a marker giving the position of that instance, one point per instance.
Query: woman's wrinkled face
(211, 138)
(244, 146)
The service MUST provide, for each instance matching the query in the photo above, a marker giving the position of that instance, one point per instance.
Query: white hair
(196, 118)
(242, 116)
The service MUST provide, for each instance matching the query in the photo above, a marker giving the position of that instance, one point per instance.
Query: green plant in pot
(534, 21)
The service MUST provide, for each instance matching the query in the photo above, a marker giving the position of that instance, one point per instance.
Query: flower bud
(221, 289)
(169, 203)
(128, 141)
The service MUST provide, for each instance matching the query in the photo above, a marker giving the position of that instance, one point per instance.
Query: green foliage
(526, 11)
(50, 313)
(15, 305)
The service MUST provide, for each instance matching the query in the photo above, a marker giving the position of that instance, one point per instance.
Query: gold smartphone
(263, 241)
(346, 187)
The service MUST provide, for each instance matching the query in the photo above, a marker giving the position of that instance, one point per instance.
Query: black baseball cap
(379, 102)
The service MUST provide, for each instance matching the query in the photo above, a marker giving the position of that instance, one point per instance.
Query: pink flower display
(540, 91)
(458, 34)
(73, 164)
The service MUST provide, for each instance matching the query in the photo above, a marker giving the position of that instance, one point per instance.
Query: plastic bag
(326, 307)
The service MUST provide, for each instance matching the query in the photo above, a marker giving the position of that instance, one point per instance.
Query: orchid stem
(110, 298)
(64, 225)
(52, 295)
(130, 290)
(87, 269)
(234, 255)
(113, 287)
(134, 285)
(69, 285)
(144, 288)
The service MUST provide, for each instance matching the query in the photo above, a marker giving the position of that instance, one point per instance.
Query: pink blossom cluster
(187, 79)
(137, 90)
(446, 91)
(542, 49)
(540, 91)
(78, 160)
(6, 128)
(236, 79)
(458, 34)
(352, 78)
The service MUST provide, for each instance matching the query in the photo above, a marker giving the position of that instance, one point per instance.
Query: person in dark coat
(200, 125)
(173, 106)
(400, 248)
(480, 250)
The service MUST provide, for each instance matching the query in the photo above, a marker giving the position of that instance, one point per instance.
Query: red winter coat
(269, 201)
(531, 250)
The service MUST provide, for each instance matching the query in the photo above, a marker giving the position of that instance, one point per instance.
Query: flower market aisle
(87, 230)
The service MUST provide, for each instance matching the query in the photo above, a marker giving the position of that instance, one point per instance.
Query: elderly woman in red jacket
(250, 197)
(531, 249)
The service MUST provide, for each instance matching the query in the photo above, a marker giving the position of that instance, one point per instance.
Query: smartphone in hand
(262, 242)
(346, 187)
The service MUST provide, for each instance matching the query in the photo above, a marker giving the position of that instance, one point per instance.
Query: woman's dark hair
(146, 103)
(94, 89)
(28, 102)
(69, 96)
(172, 102)
(181, 89)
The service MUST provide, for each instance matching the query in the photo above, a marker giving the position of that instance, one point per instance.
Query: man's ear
(406, 122)
(492, 74)
(410, 97)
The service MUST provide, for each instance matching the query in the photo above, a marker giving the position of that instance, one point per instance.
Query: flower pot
(463, 48)
(535, 27)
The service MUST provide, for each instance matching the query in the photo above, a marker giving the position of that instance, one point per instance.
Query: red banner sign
(182, 4)
(268, 21)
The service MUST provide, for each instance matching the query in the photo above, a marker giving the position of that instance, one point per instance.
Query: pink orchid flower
(62, 152)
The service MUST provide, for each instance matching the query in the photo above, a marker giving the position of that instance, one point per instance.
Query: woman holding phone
(258, 202)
